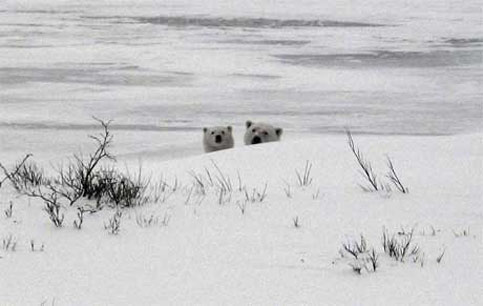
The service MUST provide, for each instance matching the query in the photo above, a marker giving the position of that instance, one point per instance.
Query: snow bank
(228, 250)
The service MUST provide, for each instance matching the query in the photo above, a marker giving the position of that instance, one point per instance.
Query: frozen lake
(161, 70)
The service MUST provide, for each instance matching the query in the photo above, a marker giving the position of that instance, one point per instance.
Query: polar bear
(217, 138)
(261, 132)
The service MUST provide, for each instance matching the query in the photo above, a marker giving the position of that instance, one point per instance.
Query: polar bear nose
(256, 140)
(218, 138)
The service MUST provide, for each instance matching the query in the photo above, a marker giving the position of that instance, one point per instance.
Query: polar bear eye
(254, 130)
(265, 133)
(223, 132)
(212, 133)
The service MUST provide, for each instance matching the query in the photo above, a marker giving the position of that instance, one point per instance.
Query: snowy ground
(212, 253)
(162, 71)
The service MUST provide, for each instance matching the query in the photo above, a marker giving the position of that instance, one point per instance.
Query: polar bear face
(217, 138)
(261, 133)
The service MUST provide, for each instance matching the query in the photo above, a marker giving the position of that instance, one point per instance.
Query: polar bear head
(261, 132)
(217, 138)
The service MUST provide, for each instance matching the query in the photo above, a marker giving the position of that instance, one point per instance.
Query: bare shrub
(366, 168)
(52, 208)
(125, 191)
(368, 261)
(374, 260)
(11, 175)
(394, 178)
(399, 246)
(355, 248)
(27, 176)
(363, 258)
(296, 222)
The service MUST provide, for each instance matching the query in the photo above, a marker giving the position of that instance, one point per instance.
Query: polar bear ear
(248, 123)
(229, 128)
(279, 132)
(205, 130)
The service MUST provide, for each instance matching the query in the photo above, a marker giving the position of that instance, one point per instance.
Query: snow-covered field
(210, 252)
(404, 76)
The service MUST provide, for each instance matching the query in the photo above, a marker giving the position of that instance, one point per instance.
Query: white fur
(261, 133)
(224, 135)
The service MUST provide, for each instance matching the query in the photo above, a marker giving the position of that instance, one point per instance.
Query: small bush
(355, 248)
(399, 247)
(52, 208)
(12, 175)
(28, 176)
(368, 261)
(123, 191)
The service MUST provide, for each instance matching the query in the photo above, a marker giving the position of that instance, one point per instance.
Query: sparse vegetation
(296, 222)
(242, 205)
(9, 243)
(114, 225)
(124, 191)
(370, 176)
(355, 248)
(52, 208)
(304, 179)
(256, 195)
(35, 248)
(11, 175)
(394, 178)
(366, 168)
(367, 261)
(287, 190)
(316, 194)
(462, 233)
(399, 246)
(145, 221)
(9, 211)
(440, 257)
(80, 218)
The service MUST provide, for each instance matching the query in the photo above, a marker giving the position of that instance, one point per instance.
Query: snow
(211, 253)
(404, 76)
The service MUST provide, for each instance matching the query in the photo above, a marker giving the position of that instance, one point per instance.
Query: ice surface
(378, 67)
